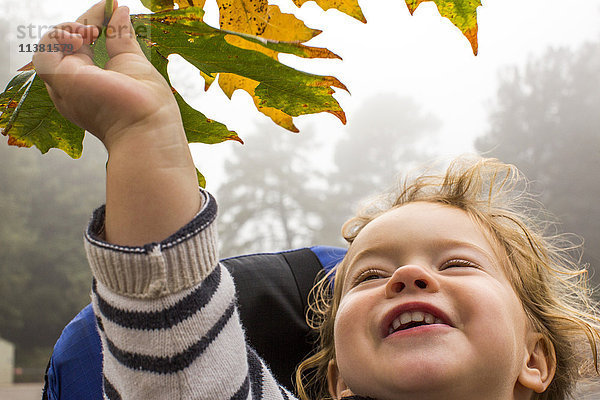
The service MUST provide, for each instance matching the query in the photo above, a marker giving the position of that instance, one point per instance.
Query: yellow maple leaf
(258, 18)
(229, 83)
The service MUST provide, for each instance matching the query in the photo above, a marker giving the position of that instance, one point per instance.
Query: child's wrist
(154, 134)
(164, 147)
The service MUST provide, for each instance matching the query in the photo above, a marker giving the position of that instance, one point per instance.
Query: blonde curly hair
(542, 267)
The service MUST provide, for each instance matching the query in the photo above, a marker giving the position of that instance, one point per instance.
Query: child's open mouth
(412, 319)
(413, 315)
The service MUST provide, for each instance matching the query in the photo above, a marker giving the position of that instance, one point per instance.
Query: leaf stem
(108, 11)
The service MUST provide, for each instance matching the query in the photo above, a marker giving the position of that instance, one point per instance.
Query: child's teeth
(418, 316)
(414, 316)
(405, 318)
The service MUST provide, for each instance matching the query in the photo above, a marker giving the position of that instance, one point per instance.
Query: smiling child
(449, 291)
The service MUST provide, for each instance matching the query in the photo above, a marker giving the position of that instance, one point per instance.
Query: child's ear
(337, 387)
(540, 365)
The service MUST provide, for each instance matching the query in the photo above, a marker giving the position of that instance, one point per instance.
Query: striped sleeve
(168, 320)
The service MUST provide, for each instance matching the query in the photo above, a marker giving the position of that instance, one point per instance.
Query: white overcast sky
(423, 57)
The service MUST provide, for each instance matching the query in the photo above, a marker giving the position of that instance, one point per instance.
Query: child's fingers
(120, 35)
(88, 33)
(52, 49)
(49, 61)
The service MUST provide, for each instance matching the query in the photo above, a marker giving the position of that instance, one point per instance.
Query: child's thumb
(120, 35)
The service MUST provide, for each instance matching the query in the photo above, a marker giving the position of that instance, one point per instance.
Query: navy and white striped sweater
(168, 319)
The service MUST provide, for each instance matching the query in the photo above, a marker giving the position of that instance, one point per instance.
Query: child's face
(423, 262)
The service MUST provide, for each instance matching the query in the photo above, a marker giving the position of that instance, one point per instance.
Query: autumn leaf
(243, 54)
(258, 18)
(462, 13)
(30, 118)
(288, 92)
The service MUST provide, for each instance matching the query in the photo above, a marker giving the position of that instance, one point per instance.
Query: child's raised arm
(165, 307)
(151, 180)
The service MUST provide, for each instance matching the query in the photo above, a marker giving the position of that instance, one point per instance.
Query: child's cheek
(343, 321)
(349, 327)
(497, 321)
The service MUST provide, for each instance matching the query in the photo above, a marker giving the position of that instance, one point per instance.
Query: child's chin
(423, 376)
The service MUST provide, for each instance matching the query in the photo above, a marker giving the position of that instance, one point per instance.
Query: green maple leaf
(215, 51)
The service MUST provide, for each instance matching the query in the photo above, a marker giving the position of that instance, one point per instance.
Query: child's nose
(410, 278)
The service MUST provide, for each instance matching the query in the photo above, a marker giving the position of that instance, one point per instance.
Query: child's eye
(368, 275)
(458, 263)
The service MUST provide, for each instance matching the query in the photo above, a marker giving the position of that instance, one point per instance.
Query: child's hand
(129, 92)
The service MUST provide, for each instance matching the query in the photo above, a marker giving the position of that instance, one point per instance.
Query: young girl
(447, 293)
(450, 291)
